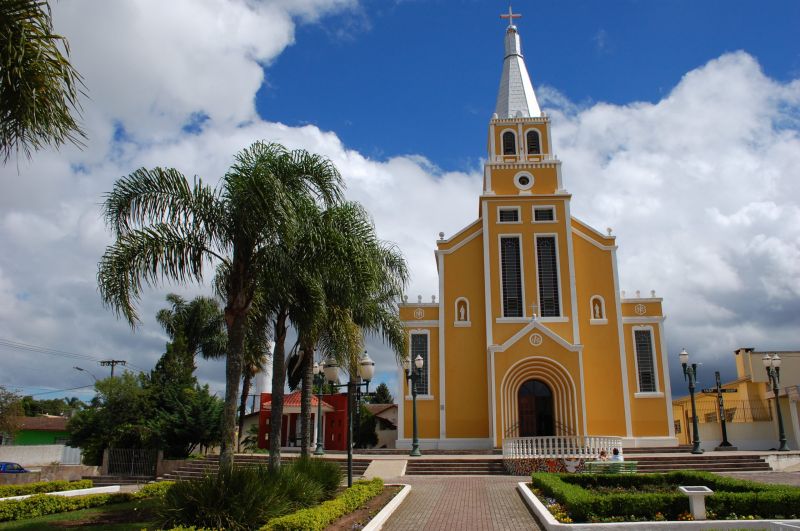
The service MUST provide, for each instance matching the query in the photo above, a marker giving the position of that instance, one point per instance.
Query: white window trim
(656, 394)
(592, 319)
(509, 208)
(502, 144)
(639, 393)
(512, 320)
(542, 207)
(558, 270)
(539, 134)
(420, 397)
(521, 271)
(427, 334)
(468, 321)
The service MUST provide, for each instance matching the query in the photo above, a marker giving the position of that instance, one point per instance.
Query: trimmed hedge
(43, 486)
(44, 504)
(731, 496)
(317, 518)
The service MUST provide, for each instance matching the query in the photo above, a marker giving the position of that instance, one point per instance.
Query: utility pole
(112, 364)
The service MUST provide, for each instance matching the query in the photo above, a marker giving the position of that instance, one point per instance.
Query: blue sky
(421, 76)
(678, 124)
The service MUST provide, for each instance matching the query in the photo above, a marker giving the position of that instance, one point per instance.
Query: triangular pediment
(536, 325)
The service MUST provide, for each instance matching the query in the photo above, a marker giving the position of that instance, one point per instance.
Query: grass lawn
(121, 517)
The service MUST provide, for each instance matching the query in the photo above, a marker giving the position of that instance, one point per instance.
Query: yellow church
(531, 338)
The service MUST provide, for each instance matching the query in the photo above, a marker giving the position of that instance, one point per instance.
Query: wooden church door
(535, 401)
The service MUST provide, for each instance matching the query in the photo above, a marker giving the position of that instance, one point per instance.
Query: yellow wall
(648, 415)
(467, 413)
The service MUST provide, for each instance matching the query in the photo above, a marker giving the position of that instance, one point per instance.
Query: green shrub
(43, 486)
(299, 489)
(319, 517)
(326, 473)
(44, 504)
(154, 490)
(234, 498)
(731, 496)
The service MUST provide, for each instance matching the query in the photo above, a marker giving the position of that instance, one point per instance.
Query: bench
(610, 467)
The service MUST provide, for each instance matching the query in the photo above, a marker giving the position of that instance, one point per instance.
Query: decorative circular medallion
(535, 339)
(640, 309)
(419, 313)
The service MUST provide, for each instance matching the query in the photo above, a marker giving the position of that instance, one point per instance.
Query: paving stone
(463, 503)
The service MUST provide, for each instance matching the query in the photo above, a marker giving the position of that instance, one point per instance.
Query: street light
(366, 370)
(773, 366)
(414, 375)
(87, 372)
(690, 373)
(319, 381)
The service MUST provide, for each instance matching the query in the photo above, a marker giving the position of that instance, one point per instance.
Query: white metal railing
(572, 446)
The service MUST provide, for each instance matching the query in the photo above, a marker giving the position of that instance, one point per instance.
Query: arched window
(534, 144)
(509, 143)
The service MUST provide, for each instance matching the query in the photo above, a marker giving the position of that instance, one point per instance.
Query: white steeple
(515, 97)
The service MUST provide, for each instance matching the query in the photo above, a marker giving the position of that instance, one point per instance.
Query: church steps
(200, 467)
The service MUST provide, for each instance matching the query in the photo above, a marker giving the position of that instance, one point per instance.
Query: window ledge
(461, 324)
(598, 321)
(513, 320)
(420, 397)
(553, 319)
(509, 223)
(646, 395)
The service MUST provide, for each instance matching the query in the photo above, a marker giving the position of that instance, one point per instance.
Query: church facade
(531, 335)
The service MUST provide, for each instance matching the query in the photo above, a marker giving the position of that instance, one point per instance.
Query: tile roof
(293, 400)
(44, 423)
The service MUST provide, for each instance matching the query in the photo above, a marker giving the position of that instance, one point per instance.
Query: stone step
(684, 448)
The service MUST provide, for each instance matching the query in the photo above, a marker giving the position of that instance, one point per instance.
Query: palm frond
(39, 88)
(151, 255)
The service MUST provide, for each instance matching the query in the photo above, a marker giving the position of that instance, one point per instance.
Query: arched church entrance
(535, 402)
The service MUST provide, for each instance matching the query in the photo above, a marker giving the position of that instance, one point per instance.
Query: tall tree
(10, 411)
(356, 280)
(39, 88)
(382, 395)
(166, 228)
(200, 321)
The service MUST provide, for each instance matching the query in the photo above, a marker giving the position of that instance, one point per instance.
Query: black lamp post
(319, 381)
(366, 370)
(773, 366)
(413, 375)
(690, 373)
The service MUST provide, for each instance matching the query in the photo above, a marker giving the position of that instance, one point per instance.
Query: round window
(523, 180)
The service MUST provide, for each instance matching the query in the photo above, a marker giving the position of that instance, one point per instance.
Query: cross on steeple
(511, 16)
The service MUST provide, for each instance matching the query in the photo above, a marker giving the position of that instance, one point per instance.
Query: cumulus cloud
(701, 187)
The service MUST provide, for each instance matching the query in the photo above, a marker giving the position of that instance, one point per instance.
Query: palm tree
(39, 88)
(169, 229)
(361, 279)
(201, 322)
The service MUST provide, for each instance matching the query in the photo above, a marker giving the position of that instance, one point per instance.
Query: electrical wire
(62, 390)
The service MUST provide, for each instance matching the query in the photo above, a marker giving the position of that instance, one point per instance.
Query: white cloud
(701, 187)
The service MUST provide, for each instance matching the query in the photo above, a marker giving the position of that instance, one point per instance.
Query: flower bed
(572, 498)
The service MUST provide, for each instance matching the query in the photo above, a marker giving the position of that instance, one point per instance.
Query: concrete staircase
(198, 467)
(718, 462)
(682, 449)
(455, 467)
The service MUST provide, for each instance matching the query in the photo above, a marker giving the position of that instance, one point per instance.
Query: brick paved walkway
(461, 503)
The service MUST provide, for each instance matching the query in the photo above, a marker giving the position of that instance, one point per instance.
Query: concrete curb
(551, 524)
(69, 493)
(377, 523)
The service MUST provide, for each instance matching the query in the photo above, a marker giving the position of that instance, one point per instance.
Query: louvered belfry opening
(509, 143)
(644, 361)
(512, 277)
(548, 276)
(534, 145)
(509, 215)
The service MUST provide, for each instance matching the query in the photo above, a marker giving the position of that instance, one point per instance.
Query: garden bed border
(547, 520)
(383, 515)
(68, 493)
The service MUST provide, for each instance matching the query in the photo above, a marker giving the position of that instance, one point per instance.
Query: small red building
(334, 421)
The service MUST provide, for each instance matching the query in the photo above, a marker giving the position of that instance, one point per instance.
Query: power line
(62, 390)
(27, 347)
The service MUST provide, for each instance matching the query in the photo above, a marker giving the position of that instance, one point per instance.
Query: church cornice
(543, 119)
(551, 162)
(516, 197)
